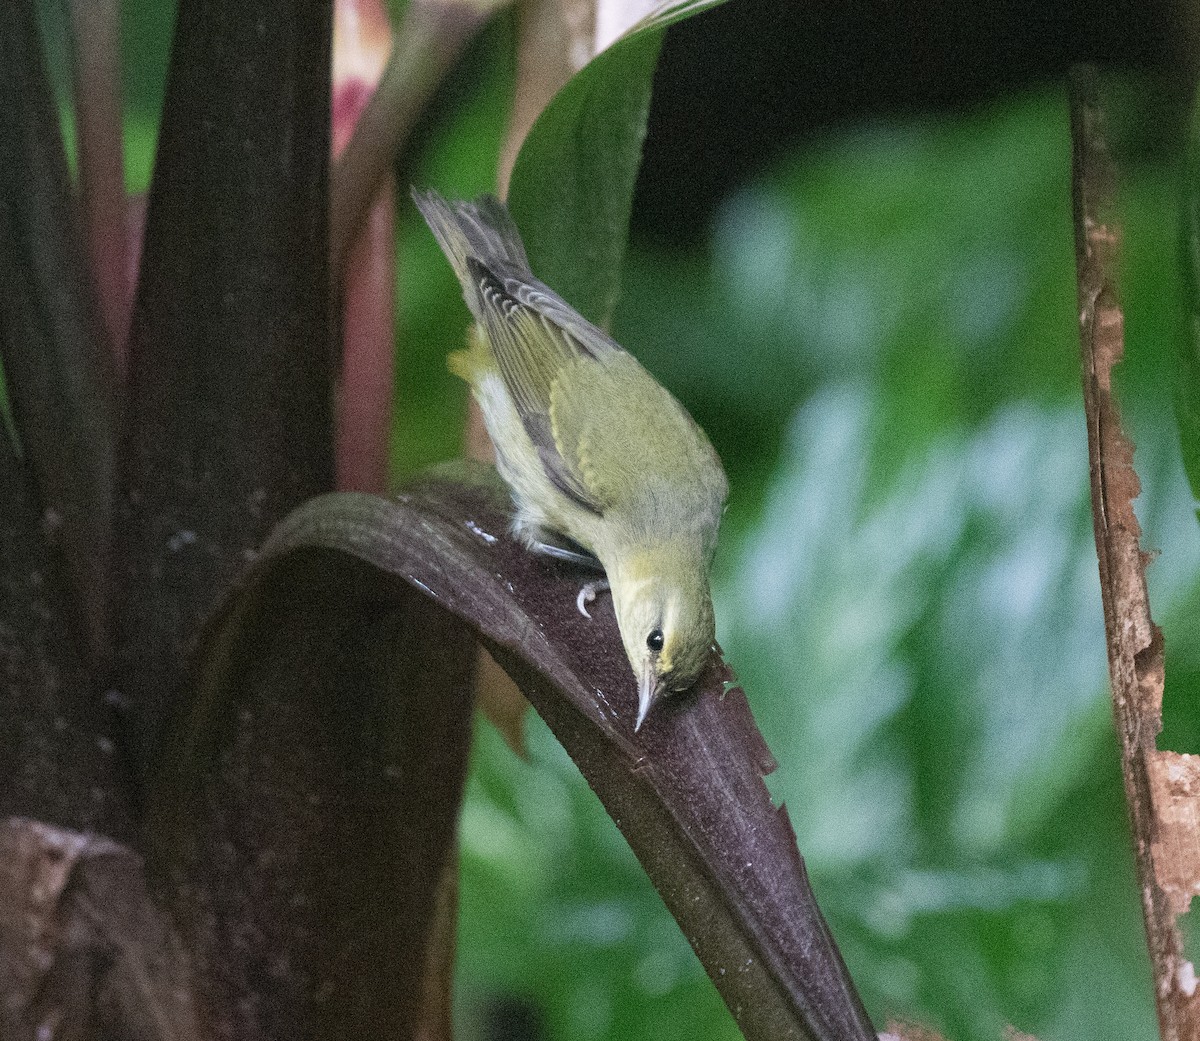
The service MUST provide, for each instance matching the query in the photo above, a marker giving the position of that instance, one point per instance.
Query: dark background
(744, 84)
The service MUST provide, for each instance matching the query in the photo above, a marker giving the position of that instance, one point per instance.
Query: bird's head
(667, 627)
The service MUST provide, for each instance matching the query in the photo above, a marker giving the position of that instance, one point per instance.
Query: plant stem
(427, 44)
(364, 404)
(95, 41)
(1158, 785)
(554, 41)
(362, 43)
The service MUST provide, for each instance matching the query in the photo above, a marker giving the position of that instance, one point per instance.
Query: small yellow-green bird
(591, 445)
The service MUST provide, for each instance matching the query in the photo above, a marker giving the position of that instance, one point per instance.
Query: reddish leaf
(229, 423)
(57, 368)
(58, 758)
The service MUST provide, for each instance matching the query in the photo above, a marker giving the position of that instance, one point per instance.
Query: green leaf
(572, 186)
(1187, 396)
(348, 585)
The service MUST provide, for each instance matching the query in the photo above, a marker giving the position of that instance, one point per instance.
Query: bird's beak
(649, 689)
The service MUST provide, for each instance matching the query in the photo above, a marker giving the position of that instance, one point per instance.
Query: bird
(593, 448)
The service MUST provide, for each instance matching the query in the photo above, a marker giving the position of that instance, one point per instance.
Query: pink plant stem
(362, 417)
(374, 108)
(97, 85)
(365, 396)
(430, 39)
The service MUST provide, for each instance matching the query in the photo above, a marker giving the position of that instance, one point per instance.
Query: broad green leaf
(351, 583)
(572, 186)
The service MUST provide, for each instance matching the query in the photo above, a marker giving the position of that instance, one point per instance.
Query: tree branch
(1159, 786)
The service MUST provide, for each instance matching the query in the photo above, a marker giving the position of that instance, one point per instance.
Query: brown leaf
(59, 760)
(687, 791)
(230, 367)
(308, 802)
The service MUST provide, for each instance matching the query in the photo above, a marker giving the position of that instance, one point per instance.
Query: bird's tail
(481, 229)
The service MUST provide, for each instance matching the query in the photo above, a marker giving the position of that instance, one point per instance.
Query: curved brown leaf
(687, 791)
(308, 804)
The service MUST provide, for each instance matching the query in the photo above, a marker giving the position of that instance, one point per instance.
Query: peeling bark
(1159, 786)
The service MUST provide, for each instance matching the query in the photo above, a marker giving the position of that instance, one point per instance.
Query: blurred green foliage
(1187, 398)
(880, 337)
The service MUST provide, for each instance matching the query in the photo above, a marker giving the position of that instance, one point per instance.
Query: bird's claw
(587, 594)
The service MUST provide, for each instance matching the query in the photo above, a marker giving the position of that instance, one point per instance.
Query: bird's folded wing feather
(535, 336)
(607, 433)
(635, 448)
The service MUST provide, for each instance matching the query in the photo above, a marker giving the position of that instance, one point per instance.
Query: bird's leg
(588, 593)
(551, 544)
(558, 547)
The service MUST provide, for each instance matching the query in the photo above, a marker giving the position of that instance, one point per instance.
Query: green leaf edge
(581, 254)
(1187, 392)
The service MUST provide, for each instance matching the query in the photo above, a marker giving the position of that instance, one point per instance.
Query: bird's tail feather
(481, 229)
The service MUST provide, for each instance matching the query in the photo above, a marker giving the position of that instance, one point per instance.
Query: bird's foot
(550, 544)
(588, 593)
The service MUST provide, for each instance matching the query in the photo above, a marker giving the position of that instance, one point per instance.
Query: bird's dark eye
(655, 640)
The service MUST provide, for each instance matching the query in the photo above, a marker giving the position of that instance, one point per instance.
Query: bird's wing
(607, 434)
(535, 336)
(635, 448)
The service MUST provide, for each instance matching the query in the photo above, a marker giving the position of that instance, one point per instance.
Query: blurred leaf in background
(458, 157)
